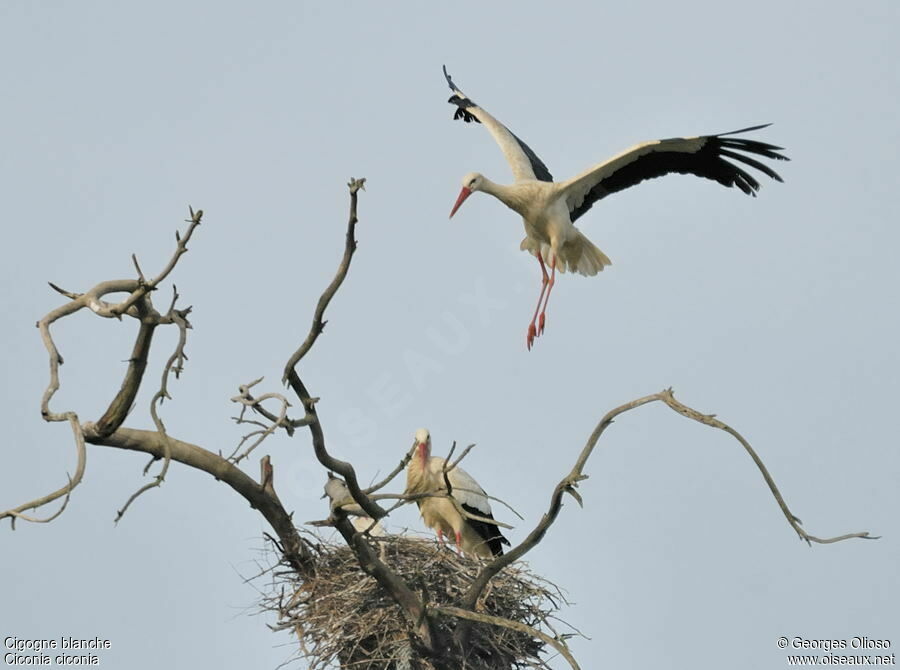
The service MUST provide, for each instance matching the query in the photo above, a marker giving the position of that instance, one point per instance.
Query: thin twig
(279, 421)
(461, 456)
(73, 481)
(173, 365)
(668, 397)
(297, 551)
(318, 324)
(62, 291)
(396, 471)
(144, 287)
(348, 504)
(247, 400)
(466, 514)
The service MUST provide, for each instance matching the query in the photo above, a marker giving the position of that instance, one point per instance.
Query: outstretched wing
(703, 156)
(524, 162)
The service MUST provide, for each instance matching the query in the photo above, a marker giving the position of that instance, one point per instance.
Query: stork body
(366, 524)
(549, 209)
(336, 489)
(425, 474)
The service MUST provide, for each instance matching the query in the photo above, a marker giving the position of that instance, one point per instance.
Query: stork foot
(532, 333)
(541, 322)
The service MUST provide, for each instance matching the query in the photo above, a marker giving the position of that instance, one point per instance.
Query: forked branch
(137, 305)
(278, 421)
(144, 287)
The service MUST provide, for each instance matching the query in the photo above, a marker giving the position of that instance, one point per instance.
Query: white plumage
(425, 474)
(336, 489)
(550, 209)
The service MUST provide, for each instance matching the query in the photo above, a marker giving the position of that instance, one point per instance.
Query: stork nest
(343, 618)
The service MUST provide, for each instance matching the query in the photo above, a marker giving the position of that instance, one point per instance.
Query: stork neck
(507, 194)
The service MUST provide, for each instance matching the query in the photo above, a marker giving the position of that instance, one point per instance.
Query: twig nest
(343, 618)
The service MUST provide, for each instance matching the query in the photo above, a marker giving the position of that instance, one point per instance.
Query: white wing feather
(576, 189)
(517, 159)
(515, 155)
(465, 489)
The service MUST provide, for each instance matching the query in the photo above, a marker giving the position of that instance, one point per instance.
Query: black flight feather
(708, 162)
(488, 531)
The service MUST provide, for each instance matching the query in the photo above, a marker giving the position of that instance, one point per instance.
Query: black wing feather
(708, 162)
(540, 170)
(488, 531)
(752, 162)
(462, 112)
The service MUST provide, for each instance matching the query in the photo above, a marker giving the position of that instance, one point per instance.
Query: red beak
(465, 193)
(422, 451)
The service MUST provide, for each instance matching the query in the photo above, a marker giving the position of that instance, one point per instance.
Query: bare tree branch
(246, 399)
(137, 305)
(668, 397)
(173, 365)
(350, 506)
(16, 512)
(466, 514)
(93, 300)
(398, 590)
(569, 483)
(396, 471)
(256, 404)
(152, 442)
(318, 325)
(137, 364)
(350, 498)
(109, 429)
(31, 519)
(457, 461)
(343, 468)
(62, 291)
(144, 287)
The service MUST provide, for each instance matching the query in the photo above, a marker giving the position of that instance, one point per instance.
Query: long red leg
(440, 536)
(547, 300)
(532, 328)
(458, 542)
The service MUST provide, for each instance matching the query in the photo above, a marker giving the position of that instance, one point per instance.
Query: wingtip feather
(447, 77)
(744, 130)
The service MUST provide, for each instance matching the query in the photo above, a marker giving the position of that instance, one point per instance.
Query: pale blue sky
(777, 313)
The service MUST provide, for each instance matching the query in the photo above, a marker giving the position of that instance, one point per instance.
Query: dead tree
(484, 616)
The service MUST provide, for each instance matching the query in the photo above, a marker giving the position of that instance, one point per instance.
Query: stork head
(470, 183)
(423, 446)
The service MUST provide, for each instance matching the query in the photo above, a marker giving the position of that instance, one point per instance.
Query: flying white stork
(550, 209)
(425, 474)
